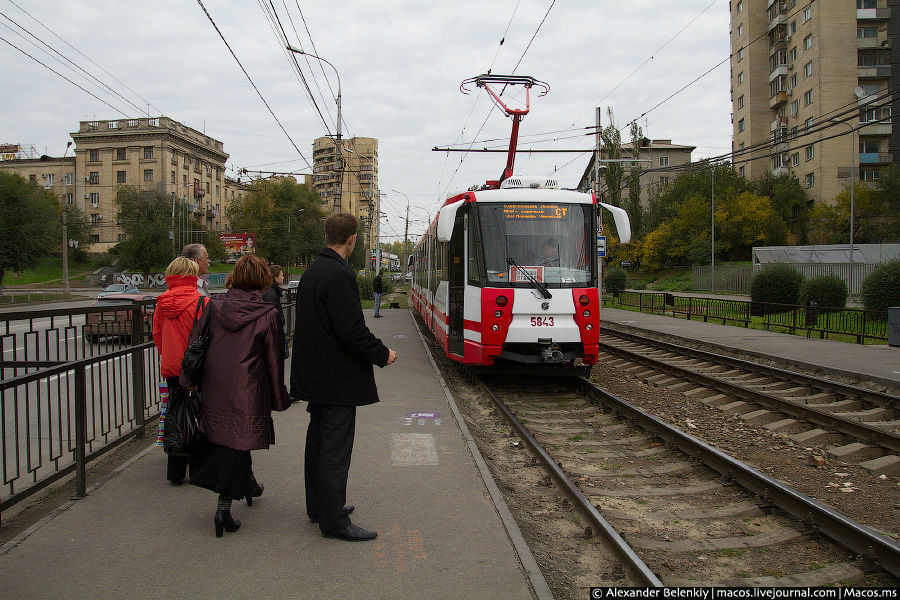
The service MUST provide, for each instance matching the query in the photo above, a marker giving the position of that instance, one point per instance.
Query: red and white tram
(506, 275)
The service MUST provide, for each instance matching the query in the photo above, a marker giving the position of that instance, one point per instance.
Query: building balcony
(777, 100)
(882, 41)
(873, 72)
(780, 70)
(876, 129)
(780, 171)
(876, 158)
(779, 122)
(779, 19)
(873, 98)
(873, 14)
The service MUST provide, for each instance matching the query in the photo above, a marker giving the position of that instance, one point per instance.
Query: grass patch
(576, 438)
(49, 270)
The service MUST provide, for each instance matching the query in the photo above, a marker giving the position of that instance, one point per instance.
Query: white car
(408, 276)
(396, 277)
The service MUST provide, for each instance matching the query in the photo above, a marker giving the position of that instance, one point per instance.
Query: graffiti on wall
(137, 279)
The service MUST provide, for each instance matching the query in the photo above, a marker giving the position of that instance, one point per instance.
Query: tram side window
(474, 276)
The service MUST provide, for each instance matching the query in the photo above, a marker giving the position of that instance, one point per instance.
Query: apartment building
(659, 160)
(349, 182)
(798, 64)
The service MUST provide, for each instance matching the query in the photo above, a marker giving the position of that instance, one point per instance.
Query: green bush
(365, 288)
(776, 284)
(615, 280)
(881, 288)
(825, 291)
(640, 284)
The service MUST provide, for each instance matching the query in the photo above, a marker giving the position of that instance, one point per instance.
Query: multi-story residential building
(349, 183)
(146, 153)
(798, 64)
(659, 160)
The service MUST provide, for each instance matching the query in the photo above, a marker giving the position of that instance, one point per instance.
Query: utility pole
(712, 236)
(405, 237)
(597, 142)
(65, 253)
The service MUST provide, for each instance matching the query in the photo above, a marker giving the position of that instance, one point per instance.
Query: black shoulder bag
(195, 353)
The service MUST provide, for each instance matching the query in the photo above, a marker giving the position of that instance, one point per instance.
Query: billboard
(238, 244)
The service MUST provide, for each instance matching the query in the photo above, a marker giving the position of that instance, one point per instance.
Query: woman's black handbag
(182, 435)
(195, 353)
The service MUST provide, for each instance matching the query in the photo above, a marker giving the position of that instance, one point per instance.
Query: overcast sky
(400, 63)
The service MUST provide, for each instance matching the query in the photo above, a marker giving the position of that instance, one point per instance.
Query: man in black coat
(376, 290)
(332, 370)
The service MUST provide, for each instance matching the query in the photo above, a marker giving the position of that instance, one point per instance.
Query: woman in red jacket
(242, 383)
(172, 322)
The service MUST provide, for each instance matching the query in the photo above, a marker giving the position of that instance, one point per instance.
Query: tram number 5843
(542, 321)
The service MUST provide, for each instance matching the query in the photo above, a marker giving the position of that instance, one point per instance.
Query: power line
(64, 77)
(250, 79)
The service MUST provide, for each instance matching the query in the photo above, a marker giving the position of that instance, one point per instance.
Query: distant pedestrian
(198, 254)
(173, 318)
(273, 295)
(332, 370)
(242, 383)
(376, 288)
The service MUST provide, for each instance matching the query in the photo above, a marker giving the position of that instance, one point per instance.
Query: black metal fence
(74, 383)
(840, 323)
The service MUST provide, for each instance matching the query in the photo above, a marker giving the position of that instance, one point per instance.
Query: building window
(207, 187)
(95, 219)
(808, 123)
(148, 151)
(208, 169)
(810, 152)
(174, 157)
(740, 78)
(120, 237)
(95, 239)
(740, 54)
(868, 175)
(172, 178)
(740, 102)
(793, 54)
(795, 108)
(217, 191)
(795, 159)
(49, 179)
(184, 180)
(810, 179)
(866, 32)
(95, 199)
(792, 28)
(868, 147)
(863, 4)
(132, 122)
(93, 156)
(793, 81)
(807, 70)
(664, 161)
(741, 171)
(120, 153)
(807, 42)
(67, 179)
(186, 160)
(148, 175)
(875, 114)
(740, 125)
(740, 30)
(807, 97)
(94, 177)
(120, 176)
(663, 181)
(69, 198)
(740, 6)
(807, 14)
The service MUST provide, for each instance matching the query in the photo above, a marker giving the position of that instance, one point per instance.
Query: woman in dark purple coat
(242, 383)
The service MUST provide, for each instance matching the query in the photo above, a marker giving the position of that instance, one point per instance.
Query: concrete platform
(412, 479)
(878, 364)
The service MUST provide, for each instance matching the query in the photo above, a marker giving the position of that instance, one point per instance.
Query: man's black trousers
(329, 444)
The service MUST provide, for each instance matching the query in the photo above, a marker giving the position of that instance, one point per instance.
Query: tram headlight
(501, 300)
(498, 314)
(589, 327)
(584, 300)
(586, 314)
(495, 327)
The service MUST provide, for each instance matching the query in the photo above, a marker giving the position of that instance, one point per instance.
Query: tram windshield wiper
(531, 278)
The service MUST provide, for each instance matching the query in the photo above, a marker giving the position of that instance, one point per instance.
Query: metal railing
(859, 324)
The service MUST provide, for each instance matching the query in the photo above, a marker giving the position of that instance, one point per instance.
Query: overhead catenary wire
(250, 79)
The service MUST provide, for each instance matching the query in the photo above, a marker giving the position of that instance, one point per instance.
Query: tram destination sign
(530, 212)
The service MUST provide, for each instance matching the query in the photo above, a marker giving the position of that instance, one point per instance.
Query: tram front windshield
(525, 243)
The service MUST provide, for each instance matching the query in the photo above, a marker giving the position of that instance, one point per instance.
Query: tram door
(456, 278)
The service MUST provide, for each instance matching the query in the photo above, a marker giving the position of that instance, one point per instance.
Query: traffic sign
(601, 246)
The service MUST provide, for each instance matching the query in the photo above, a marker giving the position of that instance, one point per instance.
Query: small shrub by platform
(776, 284)
(881, 288)
(826, 291)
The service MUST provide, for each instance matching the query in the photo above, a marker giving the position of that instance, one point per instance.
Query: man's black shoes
(347, 510)
(351, 533)
(377, 316)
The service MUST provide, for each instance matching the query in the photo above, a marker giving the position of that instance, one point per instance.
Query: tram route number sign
(516, 212)
(601, 246)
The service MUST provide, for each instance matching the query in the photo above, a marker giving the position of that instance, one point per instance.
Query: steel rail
(854, 429)
(856, 537)
(844, 389)
(626, 554)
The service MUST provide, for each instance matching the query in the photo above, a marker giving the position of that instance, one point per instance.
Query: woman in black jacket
(273, 295)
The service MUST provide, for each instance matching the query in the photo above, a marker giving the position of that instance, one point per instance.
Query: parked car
(118, 288)
(292, 285)
(117, 323)
(396, 277)
(408, 276)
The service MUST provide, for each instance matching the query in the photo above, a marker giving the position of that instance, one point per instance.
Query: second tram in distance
(508, 276)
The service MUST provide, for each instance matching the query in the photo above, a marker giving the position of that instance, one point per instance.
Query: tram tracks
(854, 424)
(677, 511)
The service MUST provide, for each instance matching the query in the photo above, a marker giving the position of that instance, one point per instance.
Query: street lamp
(852, 182)
(338, 139)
